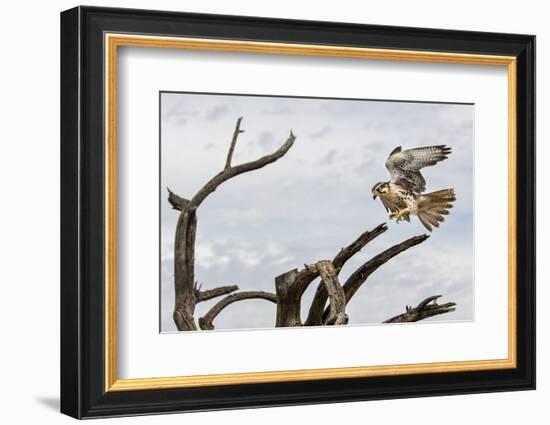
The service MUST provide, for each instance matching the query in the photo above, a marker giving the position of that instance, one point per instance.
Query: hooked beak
(374, 196)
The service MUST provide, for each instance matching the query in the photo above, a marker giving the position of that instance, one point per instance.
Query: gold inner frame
(113, 41)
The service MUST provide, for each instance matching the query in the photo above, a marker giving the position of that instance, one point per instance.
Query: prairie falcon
(403, 194)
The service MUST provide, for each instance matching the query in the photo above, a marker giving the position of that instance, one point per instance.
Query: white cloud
(216, 112)
(328, 158)
(207, 257)
(321, 133)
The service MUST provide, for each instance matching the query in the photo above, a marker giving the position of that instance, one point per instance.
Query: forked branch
(359, 276)
(187, 295)
(427, 308)
(320, 298)
(232, 171)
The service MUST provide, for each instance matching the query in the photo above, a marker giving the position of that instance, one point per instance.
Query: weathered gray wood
(184, 244)
(236, 133)
(358, 277)
(315, 314)
(234, 171)
(184, 270)
(290, 288)
(337, 300)
(288, 300)
(426, 308)
(206, 322)
(357, 245)
(214, 293)
(177, 202)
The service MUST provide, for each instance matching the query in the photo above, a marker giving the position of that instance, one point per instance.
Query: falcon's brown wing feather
(388, 204)
(404, 166)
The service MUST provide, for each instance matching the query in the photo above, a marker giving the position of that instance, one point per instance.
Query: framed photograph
(261, 212)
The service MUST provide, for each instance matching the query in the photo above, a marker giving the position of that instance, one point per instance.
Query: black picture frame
(83, 392)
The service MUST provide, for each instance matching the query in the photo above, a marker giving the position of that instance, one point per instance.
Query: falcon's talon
(401, 215)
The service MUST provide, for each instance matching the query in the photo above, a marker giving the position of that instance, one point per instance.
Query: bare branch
(357, 245)
(337, 313)
(426, 308)
(231, 172)
(290, 286)
(177, 202)
(304, 277)
(359, 276)
(233, 143)
(320, 298)
(184, 245)
(317, 307)
(206, 322)
(216, 292)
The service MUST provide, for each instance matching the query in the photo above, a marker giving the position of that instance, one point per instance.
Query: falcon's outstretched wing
(404, 166)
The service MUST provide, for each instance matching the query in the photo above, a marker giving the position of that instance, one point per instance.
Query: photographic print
(365, 188)
(292, 211)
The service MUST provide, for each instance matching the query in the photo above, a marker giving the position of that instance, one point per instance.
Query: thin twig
(236, 133)
(233, 171)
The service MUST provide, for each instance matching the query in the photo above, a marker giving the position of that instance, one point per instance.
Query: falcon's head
(379, 189)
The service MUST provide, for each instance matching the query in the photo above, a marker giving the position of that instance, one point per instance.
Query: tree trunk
(288, 300)
(184, 270)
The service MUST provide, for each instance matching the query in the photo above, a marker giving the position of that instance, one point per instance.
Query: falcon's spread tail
(433, 206)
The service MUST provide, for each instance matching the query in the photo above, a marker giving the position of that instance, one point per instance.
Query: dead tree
(331, 298)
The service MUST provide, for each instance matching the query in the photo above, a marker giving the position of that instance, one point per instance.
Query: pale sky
(313, 201)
